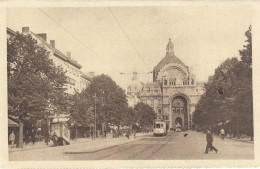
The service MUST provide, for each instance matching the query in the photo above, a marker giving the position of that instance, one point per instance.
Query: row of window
(172, 82)
(154, 90)
(152, 102)
(178, 110)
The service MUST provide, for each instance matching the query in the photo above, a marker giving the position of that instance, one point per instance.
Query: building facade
(133, 90)
(76, 79)
(174, 91)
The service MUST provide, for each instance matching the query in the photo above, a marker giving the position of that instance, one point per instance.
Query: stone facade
(76, 79)
(133, 90)
(174, 91)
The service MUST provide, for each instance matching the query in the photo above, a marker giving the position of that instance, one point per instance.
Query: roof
(85, 76)
(169, 58)
(10, 31)
(11, 123)
(58, 53)
(152, 84)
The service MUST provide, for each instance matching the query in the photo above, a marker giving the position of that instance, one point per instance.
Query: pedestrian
(12, 139)
(33, 137)
(47, 138)
(17, 141)
(26, 137)
(134, 134)
(55, 139)
(127, 134)
(209, 138)
(222, 133)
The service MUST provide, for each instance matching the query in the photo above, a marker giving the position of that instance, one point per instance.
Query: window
(192, 81)
(171, 82)
(165, 82)
(159, 110)
(159, 102)
(173, 110)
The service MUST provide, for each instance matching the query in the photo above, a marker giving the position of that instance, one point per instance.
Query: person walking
(33, 137)
(134, 134)
(47, 138)
(222, 133)
(55, 139)
(209, 139)
(12, 139)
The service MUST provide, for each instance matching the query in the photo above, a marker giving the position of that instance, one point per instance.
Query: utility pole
(95, 117)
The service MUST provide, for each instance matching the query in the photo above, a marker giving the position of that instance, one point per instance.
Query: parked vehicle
(178, 128)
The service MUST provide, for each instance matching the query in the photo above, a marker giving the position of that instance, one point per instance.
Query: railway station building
(174, 92)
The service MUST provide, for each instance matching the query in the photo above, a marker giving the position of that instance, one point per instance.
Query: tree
(246, 54)
(34, 83)
(235, 102)
(111, 103)
(80, 110)
(144, 115)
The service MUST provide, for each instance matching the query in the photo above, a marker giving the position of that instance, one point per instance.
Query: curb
(28, 149)
(101, 149)
(22, 149)
(243, 141)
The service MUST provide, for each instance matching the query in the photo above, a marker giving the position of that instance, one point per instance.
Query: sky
(112, 40)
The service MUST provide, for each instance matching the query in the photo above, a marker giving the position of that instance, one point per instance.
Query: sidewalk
(98, 142)
(242, 139)
(38, 153)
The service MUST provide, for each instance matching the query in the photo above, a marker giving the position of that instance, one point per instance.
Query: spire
(169, 47)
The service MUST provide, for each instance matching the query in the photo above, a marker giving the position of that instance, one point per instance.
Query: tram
(159, 128)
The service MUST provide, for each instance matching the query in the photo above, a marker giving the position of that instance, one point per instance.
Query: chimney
(69, 55)
(25, 30)
(52, 42)
(43, 36)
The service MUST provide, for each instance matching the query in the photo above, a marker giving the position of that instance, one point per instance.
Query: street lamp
(164, 75)
(95, 130)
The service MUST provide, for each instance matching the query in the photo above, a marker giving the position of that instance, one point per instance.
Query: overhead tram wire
(131, 42)
(81, 41)
(70, 33)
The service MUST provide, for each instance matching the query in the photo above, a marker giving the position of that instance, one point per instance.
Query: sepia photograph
(159, 82)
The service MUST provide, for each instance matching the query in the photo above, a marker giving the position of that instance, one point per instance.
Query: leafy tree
(144, 114)
(34, 83)
(235, 102)
(111, 103)
(246, 54)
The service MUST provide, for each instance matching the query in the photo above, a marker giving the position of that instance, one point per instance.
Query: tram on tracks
(159, 128)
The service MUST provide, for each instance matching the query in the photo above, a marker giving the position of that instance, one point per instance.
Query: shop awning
(11, 123)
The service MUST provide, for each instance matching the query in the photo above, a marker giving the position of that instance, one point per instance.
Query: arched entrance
(178, 121)
(179, 111)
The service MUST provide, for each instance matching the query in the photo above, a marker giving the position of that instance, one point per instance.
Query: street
(170, 147)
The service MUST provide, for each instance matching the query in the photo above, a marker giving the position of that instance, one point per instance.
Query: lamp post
(163, 78)
(95, 117)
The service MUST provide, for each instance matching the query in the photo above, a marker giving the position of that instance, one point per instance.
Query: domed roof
(169, 58)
